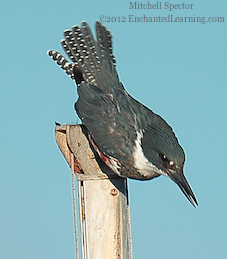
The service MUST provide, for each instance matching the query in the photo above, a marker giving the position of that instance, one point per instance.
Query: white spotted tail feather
(62, 62)
(85, 53)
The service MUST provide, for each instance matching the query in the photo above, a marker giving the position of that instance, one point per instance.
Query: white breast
(141, 163)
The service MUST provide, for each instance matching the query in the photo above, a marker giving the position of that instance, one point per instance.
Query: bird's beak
(182, 182)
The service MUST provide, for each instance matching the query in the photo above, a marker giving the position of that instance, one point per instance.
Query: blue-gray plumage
(132, 140)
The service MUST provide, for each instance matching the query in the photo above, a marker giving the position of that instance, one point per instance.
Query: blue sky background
(176, 69)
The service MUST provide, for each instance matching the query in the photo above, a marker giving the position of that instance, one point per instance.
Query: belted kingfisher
(131, 139)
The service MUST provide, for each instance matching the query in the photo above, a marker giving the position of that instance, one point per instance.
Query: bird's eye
(163, 157)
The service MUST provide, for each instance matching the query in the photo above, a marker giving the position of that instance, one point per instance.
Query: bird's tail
(88, 55)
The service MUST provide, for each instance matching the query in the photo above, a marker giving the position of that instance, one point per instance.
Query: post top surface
(72, 139)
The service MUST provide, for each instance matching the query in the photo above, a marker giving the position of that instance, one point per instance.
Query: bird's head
(162, 149)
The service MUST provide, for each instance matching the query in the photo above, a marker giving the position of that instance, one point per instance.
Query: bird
(133, 141)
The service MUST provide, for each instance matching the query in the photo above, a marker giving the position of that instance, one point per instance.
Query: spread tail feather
(89, 56)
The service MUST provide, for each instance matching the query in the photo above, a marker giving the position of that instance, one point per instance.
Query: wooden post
(103, 197)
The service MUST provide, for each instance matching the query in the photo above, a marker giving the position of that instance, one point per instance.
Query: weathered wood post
(103, 198)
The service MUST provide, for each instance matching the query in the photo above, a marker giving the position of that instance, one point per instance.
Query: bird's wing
(112, 130)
